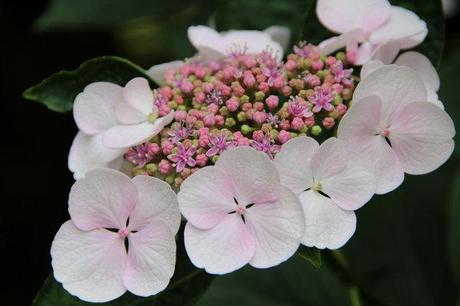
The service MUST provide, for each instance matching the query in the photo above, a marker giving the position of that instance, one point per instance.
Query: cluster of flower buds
(243, 100)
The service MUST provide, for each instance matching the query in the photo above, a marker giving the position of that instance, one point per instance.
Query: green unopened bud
(246, 129)
(241, 117)
(229, 122)
(155, 138)
(274, 134)
(293, 134)
(320, 74)
(192, 78)
(259, 96)
(151, 168)
(198, 124)
(303, 93)
(323, 57)
(337, 100)
(209, 78)
(244, 99)
(181, 107)
(152, 117)
(316, 130)
(138, 171)
(340, 56)
(170, 179)
(224, 111)
(304, 64)
(214, 159)
(172, 105)
(304, 130)
(195, 143)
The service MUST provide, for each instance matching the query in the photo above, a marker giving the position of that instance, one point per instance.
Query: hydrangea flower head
(393, 125)
(120, 237)
(245, 99)
(330, 186)
(369, 29)
(239, 213)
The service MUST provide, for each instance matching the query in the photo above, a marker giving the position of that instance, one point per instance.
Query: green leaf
(64, 14)
(292, 283)
(449, 89)
(59, 90)
(454, 229)
(185, 288)
(313, 255)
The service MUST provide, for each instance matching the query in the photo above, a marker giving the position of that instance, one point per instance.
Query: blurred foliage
(59, 90)
(260, 14)
(454, 229)
(449, 93)
(292, 283)
(311, 255)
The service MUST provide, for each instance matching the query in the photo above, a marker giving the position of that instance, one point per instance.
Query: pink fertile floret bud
(330, 60)
(317, 65)
(258, 135)
(272, 101)
(213, 108)
(337, 88)
(208, 87)
(258, 106)
(186, 86)
(259, 117)
(284, 136)
(286, 91)
(220, 120)
(249, 79)
(238, 91)
(297, 123)
(313, 80)
(200, 72)
(264, 87)
(291, 65)
(190, 119)
(328, 122)
(180, 115)
(200, 97)
(341, 108)
(164, 166)
(153, 148)
(163, 110)
(232, 104)
(284, 124)
(203, 141)
(201, 160)
(203, 131)
(165, 92)
(309, 121)
(209, 120)
(279, 82)
(352, 56)
(166, 147)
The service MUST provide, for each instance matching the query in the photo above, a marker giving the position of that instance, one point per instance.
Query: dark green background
(405, 252)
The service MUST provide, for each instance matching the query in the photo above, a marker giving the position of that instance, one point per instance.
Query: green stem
(355, 298)
(341, 268)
